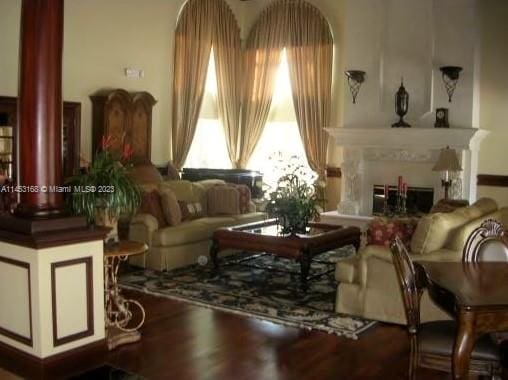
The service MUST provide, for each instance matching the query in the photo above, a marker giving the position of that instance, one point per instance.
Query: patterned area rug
(258, 285)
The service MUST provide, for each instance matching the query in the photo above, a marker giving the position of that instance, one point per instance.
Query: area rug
(258, 285)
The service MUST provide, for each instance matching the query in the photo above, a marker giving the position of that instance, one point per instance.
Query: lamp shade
(447, 161)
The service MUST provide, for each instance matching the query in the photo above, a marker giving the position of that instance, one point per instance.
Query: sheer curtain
(209, 147)
(280, 141)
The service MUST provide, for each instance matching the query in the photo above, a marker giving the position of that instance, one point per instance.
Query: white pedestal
(51, 299)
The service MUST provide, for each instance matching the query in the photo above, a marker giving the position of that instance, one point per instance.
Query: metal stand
(119, 310)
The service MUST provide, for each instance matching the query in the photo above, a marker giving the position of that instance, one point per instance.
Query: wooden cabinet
(127, 117)
(71, 130)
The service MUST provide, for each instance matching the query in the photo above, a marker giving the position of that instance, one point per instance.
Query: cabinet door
(117, 118)
(141, 127)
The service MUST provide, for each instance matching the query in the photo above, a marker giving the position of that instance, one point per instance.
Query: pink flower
(127, 152)
(107, 142)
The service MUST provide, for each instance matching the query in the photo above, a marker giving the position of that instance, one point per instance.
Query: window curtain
(228, 66)
(304, 32)
(193, 42)
(310, 59)
(261, 59)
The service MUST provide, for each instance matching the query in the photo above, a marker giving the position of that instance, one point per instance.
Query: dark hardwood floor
(181, 341)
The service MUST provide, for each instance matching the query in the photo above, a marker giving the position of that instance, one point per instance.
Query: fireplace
(419, 199)
(376, 155)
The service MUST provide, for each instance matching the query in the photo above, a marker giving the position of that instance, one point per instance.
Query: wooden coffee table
(265, 237)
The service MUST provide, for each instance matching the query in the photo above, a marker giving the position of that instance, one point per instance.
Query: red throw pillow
(382, 231)
(151, 204)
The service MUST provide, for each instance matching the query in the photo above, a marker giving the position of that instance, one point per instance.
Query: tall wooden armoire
(127, 117)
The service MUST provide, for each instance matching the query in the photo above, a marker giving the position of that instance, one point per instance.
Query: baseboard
(56, 366)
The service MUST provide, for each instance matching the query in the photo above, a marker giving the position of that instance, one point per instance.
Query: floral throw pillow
(191, 210)
(382, 231)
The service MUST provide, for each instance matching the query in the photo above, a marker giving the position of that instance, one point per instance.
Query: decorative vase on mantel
(401, 106)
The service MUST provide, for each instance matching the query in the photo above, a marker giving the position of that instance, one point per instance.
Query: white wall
(391, 39)
(494, 95)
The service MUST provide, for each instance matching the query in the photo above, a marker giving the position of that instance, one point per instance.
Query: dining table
(476, 295)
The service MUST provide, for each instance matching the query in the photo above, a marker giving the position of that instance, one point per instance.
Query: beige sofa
(175, 246)
(368, 284)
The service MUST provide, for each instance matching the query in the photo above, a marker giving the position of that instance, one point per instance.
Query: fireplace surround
(378, 155)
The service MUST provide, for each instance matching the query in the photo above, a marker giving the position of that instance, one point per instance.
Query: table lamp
(447, 162)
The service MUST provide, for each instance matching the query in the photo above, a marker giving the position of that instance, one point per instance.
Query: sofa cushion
(459, 237)
(214, 222)
(244, 196)
(182, 189)
(249, 217)
(184, 233)
(170, 208)
(223, 200)
(481, 207)
(434, 230)
(151, 204)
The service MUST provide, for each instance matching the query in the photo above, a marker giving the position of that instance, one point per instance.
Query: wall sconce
(355, 78)
(450, 79)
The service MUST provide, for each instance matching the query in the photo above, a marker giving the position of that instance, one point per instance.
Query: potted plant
(294, 202)
(104, 191)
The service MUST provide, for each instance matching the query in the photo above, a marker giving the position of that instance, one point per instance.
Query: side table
(119, 310)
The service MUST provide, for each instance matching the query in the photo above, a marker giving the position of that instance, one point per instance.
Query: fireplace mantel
(408, 138)
(377, 155)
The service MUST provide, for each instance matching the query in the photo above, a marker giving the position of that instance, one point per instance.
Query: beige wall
(494, 95)
(101, 38)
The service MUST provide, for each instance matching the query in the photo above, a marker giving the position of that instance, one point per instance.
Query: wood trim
(492, 180)
(7, 333)
(89, 300)
(29, 366)
(333, 172)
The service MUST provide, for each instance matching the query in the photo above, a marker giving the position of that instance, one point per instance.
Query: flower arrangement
(294, 202)
(105, 189)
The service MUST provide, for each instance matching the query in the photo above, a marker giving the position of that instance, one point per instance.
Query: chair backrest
(486, 243)
(409, 285)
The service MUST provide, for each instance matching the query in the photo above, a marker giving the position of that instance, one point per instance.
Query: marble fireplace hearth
(377, 156)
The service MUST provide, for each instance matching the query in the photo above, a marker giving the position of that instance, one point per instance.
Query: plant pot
(103, 219)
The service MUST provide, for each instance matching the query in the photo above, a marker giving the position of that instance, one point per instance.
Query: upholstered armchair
(368, 284)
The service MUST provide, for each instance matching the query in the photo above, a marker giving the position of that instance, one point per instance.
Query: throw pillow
(382, 231)
(245, 196)
(223, 200)
(170, 208)
(151, 204)
(172, 171)
(190, 210)
(145, 173)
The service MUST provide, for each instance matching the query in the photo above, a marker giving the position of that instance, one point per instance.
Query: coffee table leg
(214, 251)
(304, 269)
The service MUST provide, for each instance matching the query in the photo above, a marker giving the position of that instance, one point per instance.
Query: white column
(352, 168)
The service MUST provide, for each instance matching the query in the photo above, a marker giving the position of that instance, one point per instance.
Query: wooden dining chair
(432, 342)
(486, 243)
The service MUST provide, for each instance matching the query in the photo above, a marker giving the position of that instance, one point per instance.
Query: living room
(386, 117)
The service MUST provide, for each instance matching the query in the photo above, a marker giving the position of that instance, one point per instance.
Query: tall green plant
(105, 185)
